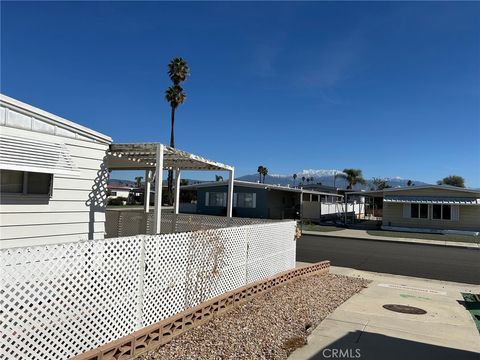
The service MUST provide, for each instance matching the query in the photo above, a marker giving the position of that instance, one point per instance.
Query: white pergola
(156, 157)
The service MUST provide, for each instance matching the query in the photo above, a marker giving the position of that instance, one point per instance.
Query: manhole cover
(404, 309)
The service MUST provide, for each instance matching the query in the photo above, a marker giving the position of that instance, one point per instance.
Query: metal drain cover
(404, 309)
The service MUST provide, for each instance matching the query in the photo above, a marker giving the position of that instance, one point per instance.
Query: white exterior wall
(76, 209)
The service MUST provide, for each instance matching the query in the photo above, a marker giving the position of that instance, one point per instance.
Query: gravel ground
(270, 326)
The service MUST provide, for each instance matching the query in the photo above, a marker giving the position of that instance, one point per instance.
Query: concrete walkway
(362, 234)
(361, 328)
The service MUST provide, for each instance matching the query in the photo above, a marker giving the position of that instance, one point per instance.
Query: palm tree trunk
(170, 172)
(172, 130)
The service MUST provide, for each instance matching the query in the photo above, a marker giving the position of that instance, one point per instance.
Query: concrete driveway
(362, 329)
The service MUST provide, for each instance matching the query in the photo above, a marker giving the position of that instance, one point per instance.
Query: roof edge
(53, 119)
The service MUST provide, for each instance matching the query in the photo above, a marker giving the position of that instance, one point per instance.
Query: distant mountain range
(325, 177)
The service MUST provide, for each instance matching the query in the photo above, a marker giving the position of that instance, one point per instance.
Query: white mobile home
(53, 178)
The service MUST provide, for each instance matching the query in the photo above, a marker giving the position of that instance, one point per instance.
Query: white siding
(76, 209)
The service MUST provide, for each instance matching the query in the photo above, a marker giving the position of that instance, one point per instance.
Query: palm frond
(175, 95)
(178, 70)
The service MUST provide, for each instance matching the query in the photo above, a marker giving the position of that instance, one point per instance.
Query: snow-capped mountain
(325, 177)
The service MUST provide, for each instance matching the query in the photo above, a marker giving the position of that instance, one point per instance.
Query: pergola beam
(158, 189)
(231, 178)
(177, 191)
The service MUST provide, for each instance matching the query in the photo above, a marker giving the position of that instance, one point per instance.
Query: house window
(113, 193)
(216, 199)
(419, 211)
(246, 200)
(442, 212)
(26, 183)
(314, 197)
(306, 197)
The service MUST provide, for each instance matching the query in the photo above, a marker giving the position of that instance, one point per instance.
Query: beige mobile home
(53, 178)
(431, 208)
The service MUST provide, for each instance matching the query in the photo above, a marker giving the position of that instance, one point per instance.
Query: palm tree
(410, 183)
(264, 173)
(303, 180)
(353, 177)
(294, 179)
(260, 173)
(177, 71)
(175, 96)
(308, 180)
(218, 178)
(138, 181)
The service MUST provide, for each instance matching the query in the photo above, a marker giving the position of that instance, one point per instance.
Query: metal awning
(431, 200)
(143, 156)
(25, 154)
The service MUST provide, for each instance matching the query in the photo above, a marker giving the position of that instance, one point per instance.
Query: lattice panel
(271, 249)
(58, 301)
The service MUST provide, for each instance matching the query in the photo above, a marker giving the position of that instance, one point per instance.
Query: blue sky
(390, 88)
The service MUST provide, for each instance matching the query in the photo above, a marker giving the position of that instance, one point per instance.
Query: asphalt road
(426, 261)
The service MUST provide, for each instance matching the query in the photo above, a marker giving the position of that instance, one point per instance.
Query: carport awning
(431, 200)
(24, 154)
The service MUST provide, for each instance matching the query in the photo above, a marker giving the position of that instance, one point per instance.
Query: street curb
(408, 241)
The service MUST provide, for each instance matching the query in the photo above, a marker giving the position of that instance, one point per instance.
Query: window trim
(208, 199)
(254, 200)
(25, 192)
(419, 211)
(441, 213)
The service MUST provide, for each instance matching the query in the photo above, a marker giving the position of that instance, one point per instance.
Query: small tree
(380, 184)
(452, 180)
(294, 179)
(410, 183)
(218, 178)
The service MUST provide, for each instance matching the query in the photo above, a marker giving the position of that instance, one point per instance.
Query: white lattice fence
(58, 301)
(133, 222)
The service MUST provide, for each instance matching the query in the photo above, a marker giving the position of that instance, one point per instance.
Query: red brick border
(164, 331)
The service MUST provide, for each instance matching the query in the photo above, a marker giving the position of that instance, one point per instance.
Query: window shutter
(207, 195)
(455, 213)
(254, 200)
(235, 199)
(407, 210)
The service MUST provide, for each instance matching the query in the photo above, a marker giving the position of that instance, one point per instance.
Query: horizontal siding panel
(88, 173)
(72, 194)
(51, 206)
(45, 230)
(85, 163)
(48, 240)
(15, 219)
(53, 138)
(72, 183)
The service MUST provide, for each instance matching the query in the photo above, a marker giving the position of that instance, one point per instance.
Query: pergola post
(158, 188)
(177, 191)
(230, 193)
(146, 195)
